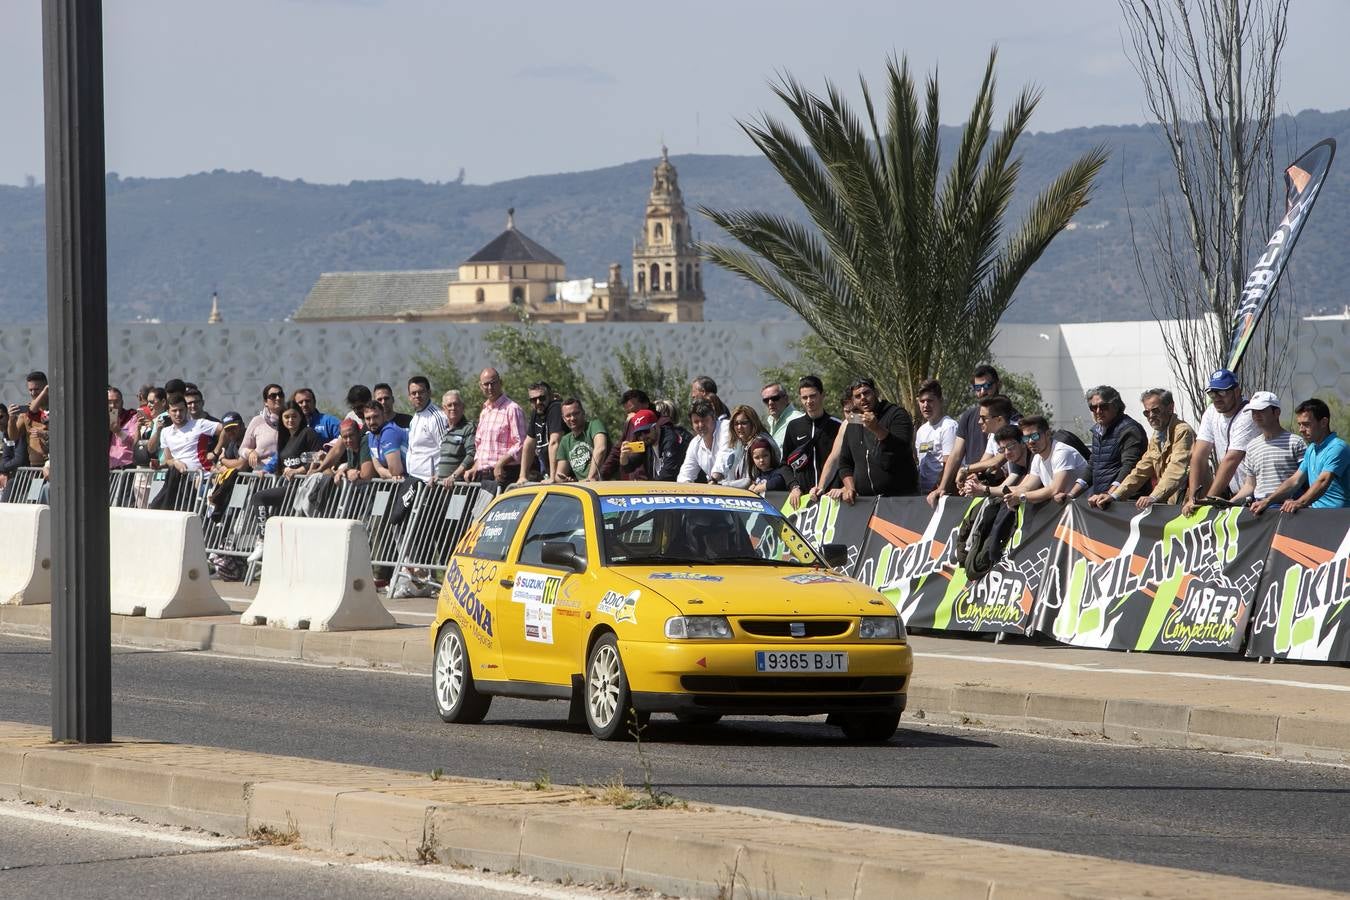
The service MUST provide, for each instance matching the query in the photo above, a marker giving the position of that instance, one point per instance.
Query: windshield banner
(631, 502)
(1304, 603)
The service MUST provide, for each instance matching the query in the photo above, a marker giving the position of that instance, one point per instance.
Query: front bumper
(721, 677)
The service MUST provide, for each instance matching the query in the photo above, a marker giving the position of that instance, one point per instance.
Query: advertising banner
(828, 521)
(1305, 599)
(1155, 580)
(917, 564)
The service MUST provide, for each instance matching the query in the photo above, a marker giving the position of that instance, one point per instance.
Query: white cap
(1263, 400)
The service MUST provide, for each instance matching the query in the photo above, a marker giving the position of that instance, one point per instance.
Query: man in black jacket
(877, 459)
(808, 440)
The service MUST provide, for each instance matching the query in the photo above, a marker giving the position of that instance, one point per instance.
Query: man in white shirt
(425, 430)
(704, 448)
(778, 411)
(1055, 465)
(187, 441)
(1225, 431)
(935, 438)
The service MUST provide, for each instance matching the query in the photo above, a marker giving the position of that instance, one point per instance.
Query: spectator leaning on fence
(543, 433)
(995, 412)
(878, 455)
(1161, 472)
(1055, 465)
(827, 482)
(1118, 443)
(732, 466)
(1226, 429)
(779, 411)
(228, 454)
(324, 425)
(970, 443)
(455, 459)
(388, 442)
(353, 462)
(383, 394)
(583, 447)
(1323, 477)
(808, 439)
(425, 431)
(500, 433)
(1272, 456)
(935, 440)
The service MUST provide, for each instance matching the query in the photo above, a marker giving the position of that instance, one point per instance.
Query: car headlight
(694, 628)
(883, 628)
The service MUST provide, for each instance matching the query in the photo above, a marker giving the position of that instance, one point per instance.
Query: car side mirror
(836, 555)
(561, 553)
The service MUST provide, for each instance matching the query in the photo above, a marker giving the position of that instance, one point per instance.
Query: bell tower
(666, 273)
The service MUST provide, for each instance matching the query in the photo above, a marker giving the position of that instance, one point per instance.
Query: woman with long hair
(733, 467)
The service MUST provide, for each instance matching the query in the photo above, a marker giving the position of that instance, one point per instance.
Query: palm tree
(905, 275)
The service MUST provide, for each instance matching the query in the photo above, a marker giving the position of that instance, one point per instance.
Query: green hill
(262, 242)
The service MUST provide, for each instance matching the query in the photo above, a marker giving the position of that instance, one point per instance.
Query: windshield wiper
(756, 561)
(657, 559)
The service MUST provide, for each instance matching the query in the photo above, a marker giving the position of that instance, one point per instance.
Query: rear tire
(869, 728)
(609, 702)
(457, 699)
(696, 719)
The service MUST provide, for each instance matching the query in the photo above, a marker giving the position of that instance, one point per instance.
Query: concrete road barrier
(159, 567)
(317, 575)
(25, 554)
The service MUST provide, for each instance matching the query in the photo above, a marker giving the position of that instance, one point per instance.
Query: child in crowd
(764, 472)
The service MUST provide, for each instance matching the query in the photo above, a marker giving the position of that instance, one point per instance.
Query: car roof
(641, 488)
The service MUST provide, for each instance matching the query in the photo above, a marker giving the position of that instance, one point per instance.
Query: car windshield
(707, 529)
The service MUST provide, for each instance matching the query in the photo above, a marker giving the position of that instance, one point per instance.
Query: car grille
(782, 628)
(792, 684)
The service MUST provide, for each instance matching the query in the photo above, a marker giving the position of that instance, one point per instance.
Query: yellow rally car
(629, 598)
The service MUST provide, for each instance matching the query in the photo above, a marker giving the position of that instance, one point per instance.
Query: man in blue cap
(1225, 431)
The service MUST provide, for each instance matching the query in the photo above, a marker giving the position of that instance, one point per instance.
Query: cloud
(574, 72)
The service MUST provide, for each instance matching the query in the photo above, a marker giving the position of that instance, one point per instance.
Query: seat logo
(797, 629)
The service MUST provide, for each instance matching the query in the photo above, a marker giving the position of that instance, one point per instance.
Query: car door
(542, 614)
(479, 584)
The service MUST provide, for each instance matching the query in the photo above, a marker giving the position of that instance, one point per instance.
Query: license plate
(801, 661)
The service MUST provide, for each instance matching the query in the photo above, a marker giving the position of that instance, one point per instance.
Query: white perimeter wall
(232, 362)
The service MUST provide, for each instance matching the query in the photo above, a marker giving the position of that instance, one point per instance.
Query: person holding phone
(877, 459)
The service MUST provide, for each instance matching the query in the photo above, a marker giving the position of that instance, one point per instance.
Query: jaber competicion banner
(1218, 581)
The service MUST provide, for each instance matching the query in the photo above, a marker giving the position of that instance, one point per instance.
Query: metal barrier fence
(412, 527)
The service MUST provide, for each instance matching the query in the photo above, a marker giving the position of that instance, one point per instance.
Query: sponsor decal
(680, 501)
(539, 593)
(816, 578)
(477, 616)
(621, 608)
(683, 576)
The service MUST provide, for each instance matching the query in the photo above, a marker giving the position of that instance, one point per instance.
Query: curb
(1124, 721)
(562, 833)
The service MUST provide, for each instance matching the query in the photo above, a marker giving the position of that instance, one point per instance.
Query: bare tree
(1210, 70)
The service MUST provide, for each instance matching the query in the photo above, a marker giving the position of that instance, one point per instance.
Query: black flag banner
(1302, 181)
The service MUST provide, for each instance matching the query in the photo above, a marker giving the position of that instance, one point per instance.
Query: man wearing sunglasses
(778, 411)
(971, 439)
(1055, 465)
(1225, 431)
(1161, 471)
(1118, 443)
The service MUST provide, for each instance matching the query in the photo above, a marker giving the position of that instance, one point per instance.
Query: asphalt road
(83, 856)
(1251, 818)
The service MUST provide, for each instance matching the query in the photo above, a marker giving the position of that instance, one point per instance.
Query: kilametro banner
(1155, 580)
(1305, 599)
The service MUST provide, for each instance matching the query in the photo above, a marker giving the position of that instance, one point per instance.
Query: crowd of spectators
(1239, 453)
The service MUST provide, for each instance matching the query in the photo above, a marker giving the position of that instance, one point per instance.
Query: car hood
(757, 590)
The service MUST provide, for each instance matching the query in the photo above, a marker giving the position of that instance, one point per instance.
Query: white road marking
(1096, 667)
(129, 829)
(465, 879)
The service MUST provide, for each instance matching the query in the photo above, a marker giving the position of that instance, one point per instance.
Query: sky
(338, 90)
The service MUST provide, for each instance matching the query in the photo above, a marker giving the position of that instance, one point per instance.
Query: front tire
(457, 699)
(869, 728)
(609, 702)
